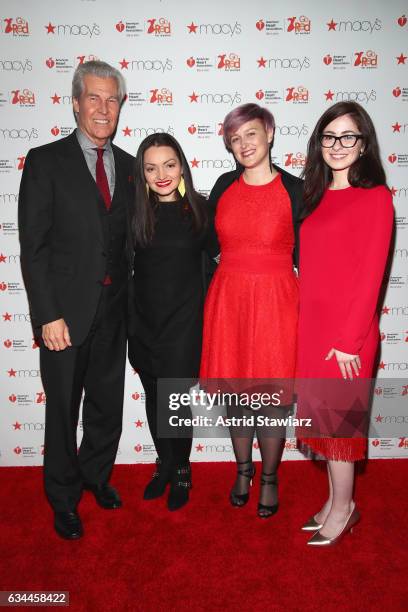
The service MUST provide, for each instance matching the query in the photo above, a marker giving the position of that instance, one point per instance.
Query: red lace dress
(344, 245)
(251, 310)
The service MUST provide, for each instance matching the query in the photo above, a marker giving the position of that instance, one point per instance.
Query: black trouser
(98, 367)
(171, 451)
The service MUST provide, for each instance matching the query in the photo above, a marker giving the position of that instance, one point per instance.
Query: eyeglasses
(347, 141)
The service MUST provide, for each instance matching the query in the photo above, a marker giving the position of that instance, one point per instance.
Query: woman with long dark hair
(345, 240)
(252, 304)
(172, 229)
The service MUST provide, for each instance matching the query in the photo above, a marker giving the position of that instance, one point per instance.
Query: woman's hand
(347, 363)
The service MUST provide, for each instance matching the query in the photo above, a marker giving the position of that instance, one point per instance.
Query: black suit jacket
(61, 236)
(292, 184)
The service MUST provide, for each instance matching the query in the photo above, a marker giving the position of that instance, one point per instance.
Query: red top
(344, 245)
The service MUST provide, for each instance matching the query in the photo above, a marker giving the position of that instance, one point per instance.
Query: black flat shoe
(160, 479)
(106, 496)
(68, 525)
(180, 486)
(265, 511)
(240, 499)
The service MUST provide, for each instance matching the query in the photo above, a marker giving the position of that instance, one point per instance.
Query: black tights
(171, 451)
(270, 440)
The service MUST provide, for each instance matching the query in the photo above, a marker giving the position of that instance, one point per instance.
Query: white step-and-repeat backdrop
(187, 63)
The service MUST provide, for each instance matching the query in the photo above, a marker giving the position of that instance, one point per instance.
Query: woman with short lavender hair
(252, 304)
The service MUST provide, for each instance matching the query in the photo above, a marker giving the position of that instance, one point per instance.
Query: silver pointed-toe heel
(312, 525)
(318, 540)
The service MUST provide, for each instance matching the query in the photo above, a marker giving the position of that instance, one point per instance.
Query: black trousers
(172, 451)
(97, 367)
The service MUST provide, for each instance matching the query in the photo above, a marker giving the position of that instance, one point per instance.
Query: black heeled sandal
(160, 479)
(265, 511)
(240, 499)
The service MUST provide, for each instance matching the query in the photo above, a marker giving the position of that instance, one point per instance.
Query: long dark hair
(367, 171)
(146, 202)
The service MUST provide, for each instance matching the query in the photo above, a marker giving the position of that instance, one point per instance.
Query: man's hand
(56, 335)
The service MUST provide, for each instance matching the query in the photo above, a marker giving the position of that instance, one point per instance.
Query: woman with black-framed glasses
(344, 243)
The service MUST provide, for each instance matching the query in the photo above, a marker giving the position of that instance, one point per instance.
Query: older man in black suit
(76, 256)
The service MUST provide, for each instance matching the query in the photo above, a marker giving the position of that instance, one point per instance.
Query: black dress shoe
(106, 496)
(68, 525)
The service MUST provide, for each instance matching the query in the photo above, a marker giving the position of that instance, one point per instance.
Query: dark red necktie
(103, 186)
(102, 179)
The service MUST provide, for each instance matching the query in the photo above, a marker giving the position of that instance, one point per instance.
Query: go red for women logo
(229, 63)
(16, 27)
(368, 59)
(20, 161)
(297, 95)
(23, 97)
(297, 161)
(159, 27)
(161, 97)
(299, 25)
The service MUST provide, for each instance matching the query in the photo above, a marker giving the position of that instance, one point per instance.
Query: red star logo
(393, 191)
(194, 163)
(55, 99)
(139, 423)
(12, 372)
(193, 97)
(385, 310)
(332, 25)
(401, 59)
(17, 425)
(261, 62)
(2, 258)
(379, 418)
(396, 127)
(50, 28)
(381, 366)
(199, 448)
(192, 28)
(7, 317)
(329, 94)
(126, 131)
(124, 64)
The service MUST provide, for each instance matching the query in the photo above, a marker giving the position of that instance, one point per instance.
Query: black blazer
(61, 236)
(292, 184)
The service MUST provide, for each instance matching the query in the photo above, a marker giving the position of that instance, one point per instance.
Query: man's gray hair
(98, 69)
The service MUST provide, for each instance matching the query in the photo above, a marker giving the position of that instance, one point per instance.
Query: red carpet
(210, 556)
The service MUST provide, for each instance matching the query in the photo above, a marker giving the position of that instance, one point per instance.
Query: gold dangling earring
(147, 189)
(182, 187)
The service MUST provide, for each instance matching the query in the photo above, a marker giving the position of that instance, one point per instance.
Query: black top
(169, 295)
